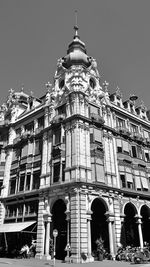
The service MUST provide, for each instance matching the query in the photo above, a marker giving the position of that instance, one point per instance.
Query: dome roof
(76, 53)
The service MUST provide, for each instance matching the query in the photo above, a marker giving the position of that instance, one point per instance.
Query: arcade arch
(99, 224)
(129, 231)
(59, 222)
(145, 218)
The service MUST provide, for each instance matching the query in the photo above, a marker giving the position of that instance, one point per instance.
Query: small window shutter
(119, 143)
(144, 182)
(138, 182)
(129, 177)
(125, 146)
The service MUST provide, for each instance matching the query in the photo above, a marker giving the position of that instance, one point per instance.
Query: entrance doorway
(130, 226)
(145, 213)
(99, 225)
(59, 222)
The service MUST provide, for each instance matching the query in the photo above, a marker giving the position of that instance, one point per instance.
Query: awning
(129, 177)
(144, 182)
(14, 227)
(138, 182)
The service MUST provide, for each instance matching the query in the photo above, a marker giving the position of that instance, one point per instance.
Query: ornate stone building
(76, 160)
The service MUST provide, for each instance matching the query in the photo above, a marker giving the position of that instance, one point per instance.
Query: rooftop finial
(76, 25)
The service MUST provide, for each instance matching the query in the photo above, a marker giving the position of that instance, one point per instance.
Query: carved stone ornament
(60, 68)
(93, 67)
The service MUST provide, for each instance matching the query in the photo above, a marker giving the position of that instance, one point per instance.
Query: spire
(76, 52)
(76, 28)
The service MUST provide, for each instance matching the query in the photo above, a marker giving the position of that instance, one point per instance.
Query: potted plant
(100, 249)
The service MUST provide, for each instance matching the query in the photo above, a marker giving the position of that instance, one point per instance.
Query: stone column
(47, 221)
(139, 222)
(122, 218)
(110, 220)
(90, 258)
(46, 119)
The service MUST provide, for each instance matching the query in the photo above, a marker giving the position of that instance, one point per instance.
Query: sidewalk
(43, 263)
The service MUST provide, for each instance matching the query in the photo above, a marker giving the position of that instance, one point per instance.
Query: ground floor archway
(99, 225)
(59, 222)
(130, 235)
(145, 214)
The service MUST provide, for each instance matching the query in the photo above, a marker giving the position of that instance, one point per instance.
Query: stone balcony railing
(123, 130)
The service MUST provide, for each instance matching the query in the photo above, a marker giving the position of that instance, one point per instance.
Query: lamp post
(55, 234)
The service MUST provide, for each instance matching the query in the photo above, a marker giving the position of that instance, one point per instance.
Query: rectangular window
(36, 180)
(138, 182)
(129, 185)
(119, 145)
(12, 186)
(139, 152)
(134, 128)
(144, 183)
(126, 147)
(21, 183)
(38, 147)
(120, 123)
(24, 151)
(91, 138)
(15, 155)
(134, 153)
(20, 210)
(63, 172)
(123, 180)
(41, 122)
(97, 135)
(56, 175)
(27, 187)
(57, 137)
(1, 183)
(146, 134)
(29, 127)
(147, 159)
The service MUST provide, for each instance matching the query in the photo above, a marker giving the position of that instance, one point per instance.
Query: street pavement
(4, 262)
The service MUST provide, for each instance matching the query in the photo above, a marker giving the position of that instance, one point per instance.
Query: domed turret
(76, 53)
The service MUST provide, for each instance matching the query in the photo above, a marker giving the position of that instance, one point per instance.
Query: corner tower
(77, 83)
(78, 97)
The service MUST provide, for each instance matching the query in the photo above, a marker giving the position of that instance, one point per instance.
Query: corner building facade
(76, 160)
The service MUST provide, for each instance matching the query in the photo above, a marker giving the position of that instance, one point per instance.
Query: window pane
(134, 154)
(12, 186)
(28, 181)
(38, 147)
(22, 180)
(57, 137)
(36, 180)
(97, 135)
(56, 172)
(24, 151)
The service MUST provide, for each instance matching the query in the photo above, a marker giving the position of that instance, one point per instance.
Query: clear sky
(35, 33)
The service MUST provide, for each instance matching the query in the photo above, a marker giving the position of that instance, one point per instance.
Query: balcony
(123, 131)
(123, 156)
(97, 118)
